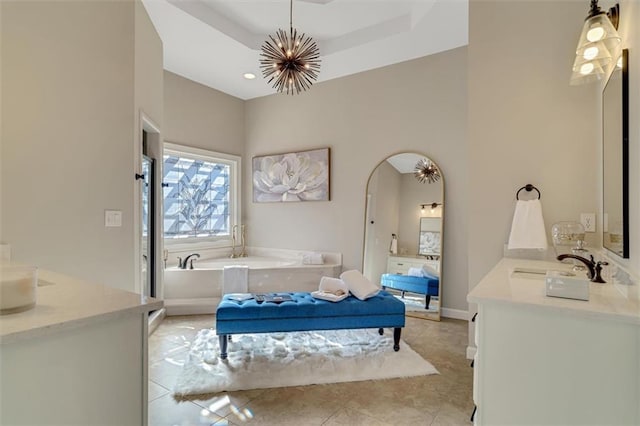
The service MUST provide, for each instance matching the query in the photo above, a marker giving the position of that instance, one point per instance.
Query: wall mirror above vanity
(405, 197)
(615, 159)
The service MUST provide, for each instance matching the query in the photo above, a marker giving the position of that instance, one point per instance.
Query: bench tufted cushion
(420, 285)
(306, 313)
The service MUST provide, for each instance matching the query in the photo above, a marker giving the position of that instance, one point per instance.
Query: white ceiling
(214, 42)
(405, 162)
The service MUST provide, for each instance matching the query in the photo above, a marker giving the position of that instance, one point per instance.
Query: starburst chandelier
(291, 61)
(426, 171)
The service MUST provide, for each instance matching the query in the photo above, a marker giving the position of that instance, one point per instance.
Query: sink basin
(567, 287)
(536, 273)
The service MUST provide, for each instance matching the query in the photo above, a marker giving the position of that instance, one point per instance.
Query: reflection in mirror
(408, 204)
(429, 244)
(615, 164)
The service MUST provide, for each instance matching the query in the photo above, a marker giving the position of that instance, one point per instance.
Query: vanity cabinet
(79, 357)
(550, 361)
(401, 264)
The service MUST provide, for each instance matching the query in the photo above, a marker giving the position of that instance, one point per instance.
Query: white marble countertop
(64, 302)
(605, 300)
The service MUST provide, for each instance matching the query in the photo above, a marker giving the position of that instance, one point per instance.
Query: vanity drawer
(400, 265)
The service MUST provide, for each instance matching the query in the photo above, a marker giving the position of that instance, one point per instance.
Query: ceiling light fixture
(291, 61)
(426, 171)
(249, 75)
(599, 45)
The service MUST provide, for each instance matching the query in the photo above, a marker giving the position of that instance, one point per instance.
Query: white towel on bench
(235, 279)
(359, 285)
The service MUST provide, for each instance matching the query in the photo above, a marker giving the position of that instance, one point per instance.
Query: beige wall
(148, 107)
(526, 124)
(418, 106)
(201, 117)
(68, 136)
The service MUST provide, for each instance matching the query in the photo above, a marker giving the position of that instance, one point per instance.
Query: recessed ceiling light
(249, 75)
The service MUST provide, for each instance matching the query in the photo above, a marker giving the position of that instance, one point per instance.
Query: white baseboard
(471, 352)
(455, 314)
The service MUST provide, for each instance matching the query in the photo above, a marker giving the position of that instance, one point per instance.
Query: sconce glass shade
(598, 48)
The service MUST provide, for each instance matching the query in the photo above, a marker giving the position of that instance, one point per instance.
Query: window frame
(235, 203)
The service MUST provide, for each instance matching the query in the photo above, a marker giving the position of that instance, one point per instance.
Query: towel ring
(528, 187)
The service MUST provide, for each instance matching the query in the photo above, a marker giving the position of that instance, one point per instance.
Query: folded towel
(527, 228)
(235, 279)
(313, 259)
(331, 289)
(415, 272)
(359, 285)
(333, 285)
(429, 272)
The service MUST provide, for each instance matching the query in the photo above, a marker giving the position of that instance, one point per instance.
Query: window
(200, 193)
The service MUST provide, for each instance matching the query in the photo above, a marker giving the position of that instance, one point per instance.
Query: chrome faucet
(182, 264)
(243, 239)
(233, 242)
(594, 268)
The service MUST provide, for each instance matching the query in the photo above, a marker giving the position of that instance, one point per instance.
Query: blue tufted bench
(429, 286)
(304, 313)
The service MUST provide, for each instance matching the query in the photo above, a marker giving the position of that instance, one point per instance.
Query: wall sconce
(432, 206)
(598, 47)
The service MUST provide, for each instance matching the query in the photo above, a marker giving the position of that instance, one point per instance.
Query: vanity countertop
(64, 302)
(606, 300)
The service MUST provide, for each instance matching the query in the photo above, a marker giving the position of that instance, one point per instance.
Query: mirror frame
(434, 316)
(625, 156)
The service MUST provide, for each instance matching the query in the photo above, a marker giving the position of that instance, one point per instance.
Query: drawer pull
(473, 319)
(475, 408)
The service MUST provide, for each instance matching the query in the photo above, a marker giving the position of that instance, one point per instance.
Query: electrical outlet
(588, 220)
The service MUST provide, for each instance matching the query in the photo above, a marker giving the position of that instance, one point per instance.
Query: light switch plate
(588, 220)
(112, 218)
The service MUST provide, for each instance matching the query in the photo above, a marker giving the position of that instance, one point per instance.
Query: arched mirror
(403, 231)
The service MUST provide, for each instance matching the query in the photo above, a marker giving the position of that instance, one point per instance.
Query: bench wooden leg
(381, 331)
(223, 345)
(396, 338)
(427, 300)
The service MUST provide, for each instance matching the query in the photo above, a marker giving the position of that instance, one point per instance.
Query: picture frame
(292, 176)
(429, 243)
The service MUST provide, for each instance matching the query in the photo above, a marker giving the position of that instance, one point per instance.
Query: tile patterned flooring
(444, 399)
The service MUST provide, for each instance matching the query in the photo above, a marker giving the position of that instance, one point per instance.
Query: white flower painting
(296, 176)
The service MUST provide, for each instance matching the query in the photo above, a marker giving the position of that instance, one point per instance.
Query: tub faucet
(233, 242)
(594, 268)
(243, 238)
(182, 264)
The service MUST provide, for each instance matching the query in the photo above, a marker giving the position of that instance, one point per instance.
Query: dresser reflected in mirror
(404, 230)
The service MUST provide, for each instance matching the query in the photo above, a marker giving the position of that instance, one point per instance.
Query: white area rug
(257, 361)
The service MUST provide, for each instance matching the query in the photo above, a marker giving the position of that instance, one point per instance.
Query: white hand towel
(331, 289)
(393, 248)
(415, 272)
(527, 228)
(332, 285)
(428, 271)
(235, 279)
(359, 285)
(313, 259)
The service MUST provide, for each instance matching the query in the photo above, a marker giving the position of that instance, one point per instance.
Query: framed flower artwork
(295, 176)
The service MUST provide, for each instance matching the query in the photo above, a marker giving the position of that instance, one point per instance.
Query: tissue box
(560, 284)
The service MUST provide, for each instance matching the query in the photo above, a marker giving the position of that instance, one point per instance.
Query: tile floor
(444, 399)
